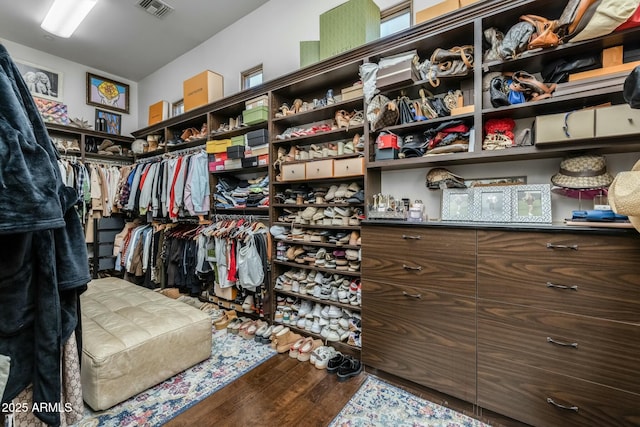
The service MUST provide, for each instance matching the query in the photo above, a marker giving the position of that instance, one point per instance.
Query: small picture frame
(492, 204)
(457, 204)
(531, 203)
(112, 121)
(107, 93)
(42, 82)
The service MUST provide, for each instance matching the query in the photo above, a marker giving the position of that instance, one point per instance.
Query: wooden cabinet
(414, 326)
(559, 327)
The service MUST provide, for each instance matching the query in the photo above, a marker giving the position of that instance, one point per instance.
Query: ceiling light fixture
(66, 15)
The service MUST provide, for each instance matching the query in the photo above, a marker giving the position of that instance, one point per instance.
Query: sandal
(342, 119)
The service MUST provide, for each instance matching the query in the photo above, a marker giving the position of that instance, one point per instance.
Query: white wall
(411, 183)
(270, 36)
(74, 84)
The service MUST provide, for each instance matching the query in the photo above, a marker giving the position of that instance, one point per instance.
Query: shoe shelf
(324, 227)
(338, 345)
(319, 244)
(317, 205)
(329, 180)
(317, 114)
(309, 297)
(263, 210)
(323, 136)
(313, 267)
(236, 131)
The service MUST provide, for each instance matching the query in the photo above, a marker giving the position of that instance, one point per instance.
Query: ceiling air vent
(155, 7)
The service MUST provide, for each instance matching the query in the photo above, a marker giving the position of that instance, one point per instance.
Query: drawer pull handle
(406, 294)
(408, 267)
(553, 285)
(406, 237)
(553, 246)
(564, 344)
(557, 405)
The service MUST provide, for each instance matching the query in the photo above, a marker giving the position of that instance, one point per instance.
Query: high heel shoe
(342, 119)
(297, 105)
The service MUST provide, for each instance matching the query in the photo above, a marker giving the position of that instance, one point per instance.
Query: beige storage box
(202, 89)
(319, 169)
(158, 112)
(352, 92)
(563, 127)
(134, 338)
(617, 120)
(293, 172)
(436, 10)
(348, 167)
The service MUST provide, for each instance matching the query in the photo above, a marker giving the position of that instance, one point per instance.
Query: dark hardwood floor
(285, 392)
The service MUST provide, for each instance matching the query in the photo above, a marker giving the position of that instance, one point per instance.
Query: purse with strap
(544, 34)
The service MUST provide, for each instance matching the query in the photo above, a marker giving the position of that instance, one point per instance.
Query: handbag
(558, 71)
(250, 269)
(406, 112)
(493, 39)
(532, 89)
(456, 61)
(499, 92)
(516, 40)
(608, 16)
(575, 16)
(631, 88)
(544, 34)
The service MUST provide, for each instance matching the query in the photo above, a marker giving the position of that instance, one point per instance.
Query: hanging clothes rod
(172, 154)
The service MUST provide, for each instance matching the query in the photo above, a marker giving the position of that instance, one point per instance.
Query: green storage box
(309, 52)
(348, 26)
(238, 140)
(253, 116)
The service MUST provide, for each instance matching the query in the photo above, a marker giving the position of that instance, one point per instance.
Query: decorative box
(216, 166)
(260, 101)
(218, 145)
(617, 120)
(352, 92)
(401, 73)
(235, 152)
(238, 140)
(158, 112)
(263, 160)
(202, 89)
(387, 153)
(233, 164)
(387, 141)
(257, 137)
(258, 150)
(563, 127)
(250, 162)
(345, 27)
(256, 115)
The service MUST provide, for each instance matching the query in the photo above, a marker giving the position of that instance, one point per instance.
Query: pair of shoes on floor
(344, 366)
(321, 356)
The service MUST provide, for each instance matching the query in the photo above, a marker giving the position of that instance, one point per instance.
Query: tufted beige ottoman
(134, 338)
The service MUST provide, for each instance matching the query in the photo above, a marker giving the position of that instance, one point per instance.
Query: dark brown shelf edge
(412, 127)
(557, 150)
(89, 157)
(88, 132)
(330, 133)
(324, 227)
(319, 244)
(237, 131)
(338, 157)
(316, 205)
(215, 210)
(253, 169)
(351, 307)
(329, 179)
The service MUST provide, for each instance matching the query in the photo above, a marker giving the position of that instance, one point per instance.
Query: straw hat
(586, 171)
(624, 195)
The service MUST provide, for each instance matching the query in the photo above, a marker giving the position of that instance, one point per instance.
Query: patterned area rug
(378, 403)
(231, 357)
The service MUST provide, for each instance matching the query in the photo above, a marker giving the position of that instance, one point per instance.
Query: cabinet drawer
(293, 172)
(440, 260)
(428, 339)
(348, 167)
(600, 351)
(319, 169)
(617, 120)
(599, 279)
(522, 392)
(562, 127)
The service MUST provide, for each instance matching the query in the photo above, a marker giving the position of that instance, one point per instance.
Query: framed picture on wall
(107, 93)
(531, 203)
(457, 204)
(42, 82)
(492, 204)
(112, 122)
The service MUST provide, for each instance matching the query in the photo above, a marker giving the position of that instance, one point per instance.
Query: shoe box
(257, 137)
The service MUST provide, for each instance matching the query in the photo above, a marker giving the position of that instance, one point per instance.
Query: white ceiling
(119, 37)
